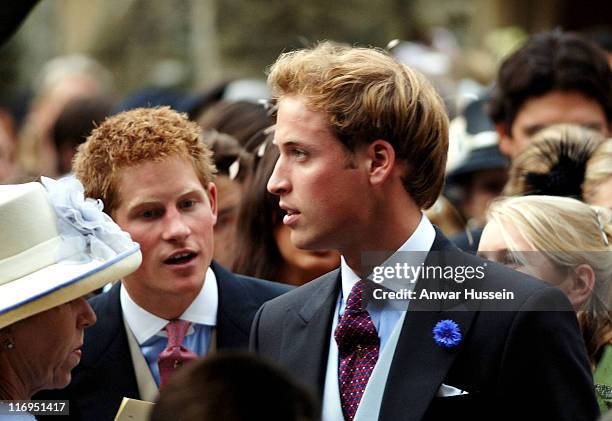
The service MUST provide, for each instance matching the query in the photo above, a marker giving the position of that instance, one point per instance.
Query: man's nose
(175, 227)
(278, 183)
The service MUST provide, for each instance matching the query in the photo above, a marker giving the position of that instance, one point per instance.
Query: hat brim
(60, 283)
(488, 158)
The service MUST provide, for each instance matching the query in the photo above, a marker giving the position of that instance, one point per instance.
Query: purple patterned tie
(175, 354)
(358, 347)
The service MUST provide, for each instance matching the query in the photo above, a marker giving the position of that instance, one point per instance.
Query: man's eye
(151, 213)
(187, 204)
(298, 153)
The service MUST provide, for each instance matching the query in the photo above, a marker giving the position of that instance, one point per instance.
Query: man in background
(554, 78)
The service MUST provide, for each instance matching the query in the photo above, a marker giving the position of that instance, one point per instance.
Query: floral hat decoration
(56, 246)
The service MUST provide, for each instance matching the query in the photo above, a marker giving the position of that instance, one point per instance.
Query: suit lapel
(305, 342)
(233, 319)
(106, 363)
(419, 365)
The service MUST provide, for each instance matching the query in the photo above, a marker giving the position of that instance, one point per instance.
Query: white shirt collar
(203, 310)
(421, 240)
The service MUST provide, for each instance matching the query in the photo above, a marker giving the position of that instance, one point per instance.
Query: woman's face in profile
(229, 193)
(493, 246)
(48, 344)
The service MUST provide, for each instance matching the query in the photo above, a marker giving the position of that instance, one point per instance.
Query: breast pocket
(470, 406)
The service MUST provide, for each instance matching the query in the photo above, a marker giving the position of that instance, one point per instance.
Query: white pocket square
(446, 391)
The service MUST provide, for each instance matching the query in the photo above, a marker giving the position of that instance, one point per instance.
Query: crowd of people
(186, 230)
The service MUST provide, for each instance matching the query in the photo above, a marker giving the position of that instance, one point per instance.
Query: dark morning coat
(106, 374)
(515, 362)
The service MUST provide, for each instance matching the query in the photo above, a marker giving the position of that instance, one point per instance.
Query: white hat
(56, 246)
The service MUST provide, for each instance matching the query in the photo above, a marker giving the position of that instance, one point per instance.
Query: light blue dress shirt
(148, 329)
(385, 318)
(196, 340)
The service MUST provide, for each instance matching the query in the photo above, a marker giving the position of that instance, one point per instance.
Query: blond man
(363, 143)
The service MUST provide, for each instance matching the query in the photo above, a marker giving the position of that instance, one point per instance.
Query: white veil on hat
(56, 246)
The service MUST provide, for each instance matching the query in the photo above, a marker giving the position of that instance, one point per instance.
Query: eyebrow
(291, 143)
(284, 145)
(533, 129)
(147, 201)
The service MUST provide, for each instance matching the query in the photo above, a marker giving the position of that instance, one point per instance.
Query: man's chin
(304, 242)
(191, 284)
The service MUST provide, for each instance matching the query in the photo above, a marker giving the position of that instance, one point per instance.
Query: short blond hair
(367, 95)
(133, 137)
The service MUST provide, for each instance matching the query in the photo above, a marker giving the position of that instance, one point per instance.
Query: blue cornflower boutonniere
(446, 333)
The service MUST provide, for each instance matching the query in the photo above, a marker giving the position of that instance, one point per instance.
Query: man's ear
(212, 198)
(505, 139)
(582, 284)
(381, 161)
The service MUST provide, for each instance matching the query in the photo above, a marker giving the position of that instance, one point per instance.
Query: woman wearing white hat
(55, 247)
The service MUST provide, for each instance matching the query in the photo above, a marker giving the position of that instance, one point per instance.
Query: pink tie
(358, 347)
(175, 354)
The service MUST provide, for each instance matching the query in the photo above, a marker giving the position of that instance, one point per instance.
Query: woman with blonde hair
(566, 243)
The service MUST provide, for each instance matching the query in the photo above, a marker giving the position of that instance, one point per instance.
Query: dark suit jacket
(516, 363)
(106, 374)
